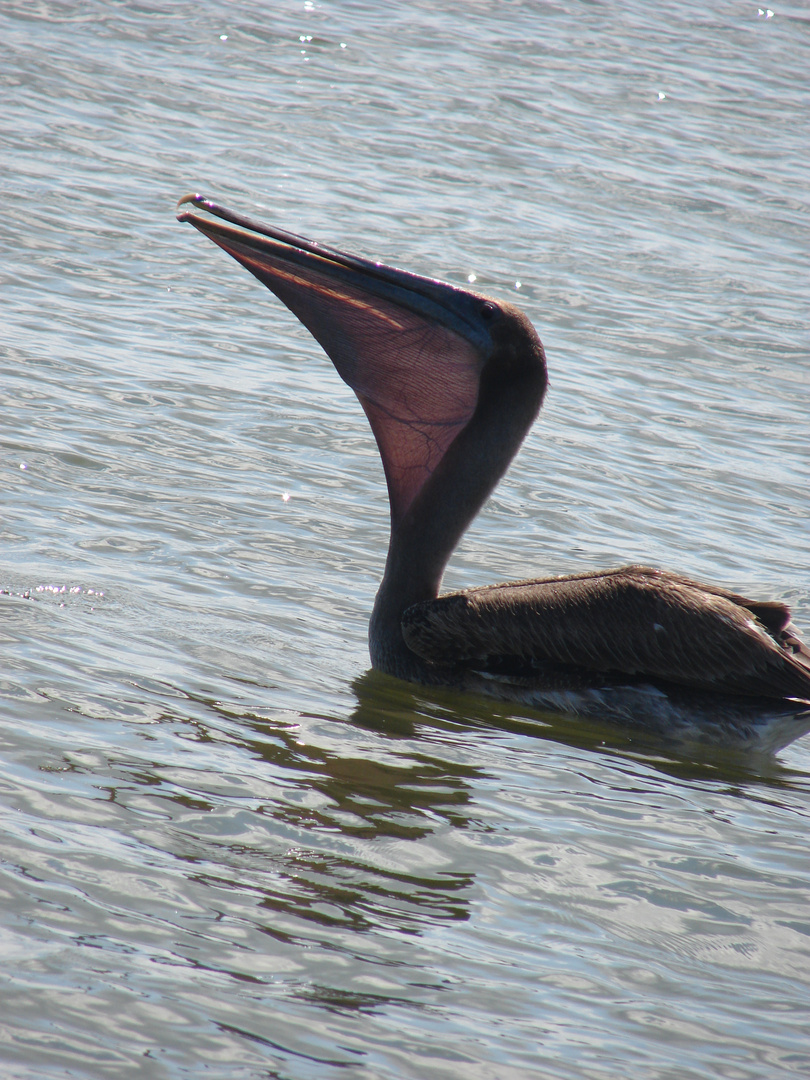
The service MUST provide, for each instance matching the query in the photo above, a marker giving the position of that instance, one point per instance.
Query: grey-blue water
(228, 851)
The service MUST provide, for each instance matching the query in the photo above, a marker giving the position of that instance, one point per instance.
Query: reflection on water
(386, 704)
(289, 872)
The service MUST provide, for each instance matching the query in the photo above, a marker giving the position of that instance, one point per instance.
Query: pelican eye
(488, 310)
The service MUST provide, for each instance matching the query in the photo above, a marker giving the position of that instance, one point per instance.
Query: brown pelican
(451, 381)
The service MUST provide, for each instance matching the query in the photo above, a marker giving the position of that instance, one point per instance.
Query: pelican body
(451, 381)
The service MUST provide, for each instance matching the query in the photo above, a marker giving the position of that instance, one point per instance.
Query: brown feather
(634, 621)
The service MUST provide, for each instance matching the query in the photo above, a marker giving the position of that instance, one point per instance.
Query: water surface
(228, 850)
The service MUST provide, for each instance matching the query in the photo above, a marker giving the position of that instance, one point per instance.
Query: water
(229, 851)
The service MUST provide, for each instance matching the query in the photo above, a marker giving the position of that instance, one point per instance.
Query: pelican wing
(637, 622)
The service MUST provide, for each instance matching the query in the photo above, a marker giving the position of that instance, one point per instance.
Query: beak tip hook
(196, 200)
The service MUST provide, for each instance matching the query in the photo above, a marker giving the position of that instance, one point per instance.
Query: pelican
(451, 381)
